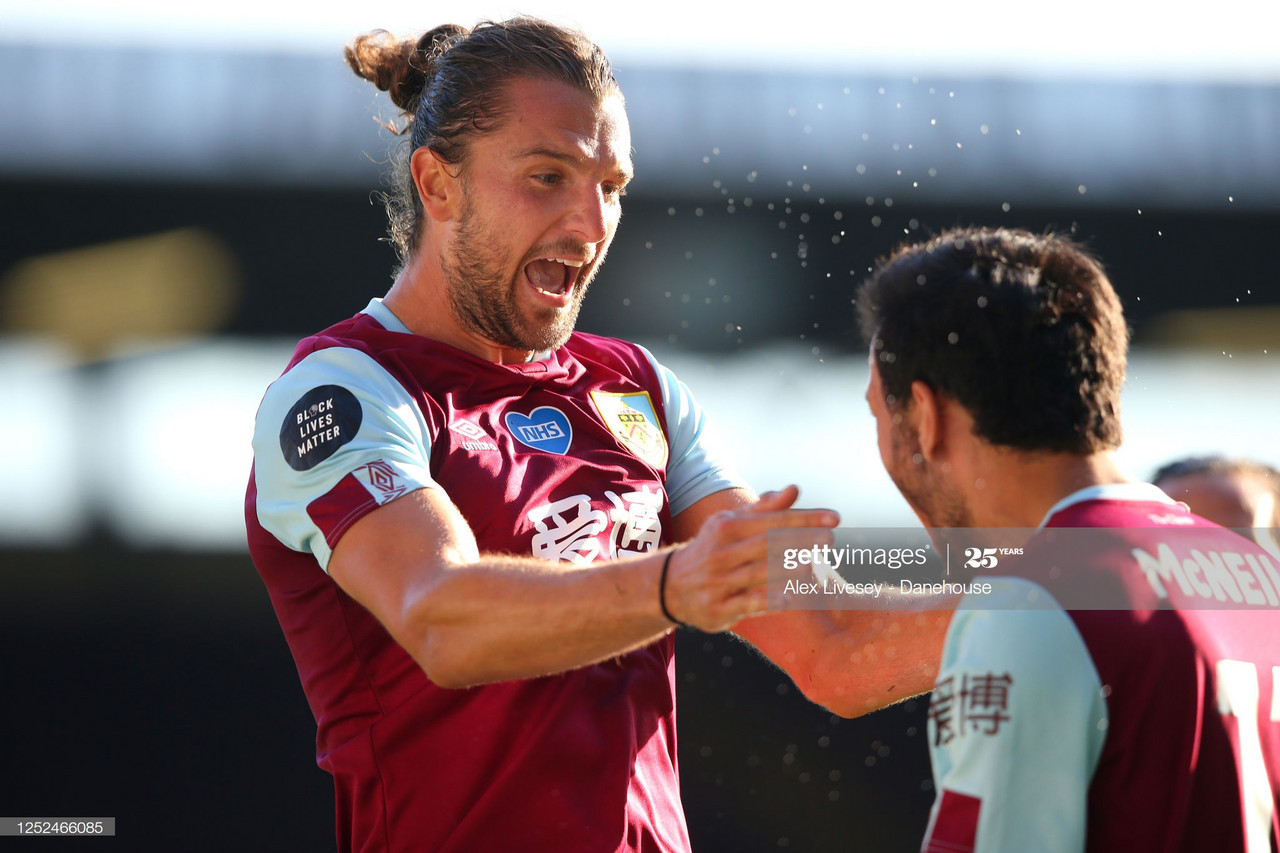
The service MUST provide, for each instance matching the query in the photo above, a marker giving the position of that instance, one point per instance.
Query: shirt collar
(1130, 492)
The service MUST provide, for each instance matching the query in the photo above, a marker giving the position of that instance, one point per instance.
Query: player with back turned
(467, 514)
(997, 360)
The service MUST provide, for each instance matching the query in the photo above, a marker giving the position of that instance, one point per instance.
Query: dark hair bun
(400, 67)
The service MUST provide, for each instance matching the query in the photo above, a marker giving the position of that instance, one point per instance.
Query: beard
(930, 495)
(483, 298)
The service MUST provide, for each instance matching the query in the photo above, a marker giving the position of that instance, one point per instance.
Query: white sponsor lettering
(575, 531)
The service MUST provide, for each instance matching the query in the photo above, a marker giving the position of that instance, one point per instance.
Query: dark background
(307, 258)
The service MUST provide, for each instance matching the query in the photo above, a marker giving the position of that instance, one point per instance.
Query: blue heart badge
(545, 428)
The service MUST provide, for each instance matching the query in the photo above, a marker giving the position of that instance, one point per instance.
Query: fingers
(743, 524)
(781, 499)
(722, 574)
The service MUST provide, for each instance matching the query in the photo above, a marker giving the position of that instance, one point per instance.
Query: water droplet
(1081, 189)
(1005, 207)
(983, 129)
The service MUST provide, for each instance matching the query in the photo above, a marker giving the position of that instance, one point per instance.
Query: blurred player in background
(1236, 493)
(997, 362)
(465, 512)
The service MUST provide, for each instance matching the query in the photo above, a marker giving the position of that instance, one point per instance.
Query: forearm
(502, 618)
(873, 659)
(852, 662)
(470, 618)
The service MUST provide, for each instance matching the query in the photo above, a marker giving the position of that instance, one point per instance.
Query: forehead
(558, 116)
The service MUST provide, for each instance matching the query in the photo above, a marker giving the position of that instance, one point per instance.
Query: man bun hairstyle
(449, 84)
(1023, 330)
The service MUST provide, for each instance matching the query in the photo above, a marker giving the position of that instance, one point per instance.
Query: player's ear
(439, 185)
(927, 406)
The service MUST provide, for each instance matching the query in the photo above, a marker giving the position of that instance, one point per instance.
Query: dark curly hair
(449, 85)
(1023, 330)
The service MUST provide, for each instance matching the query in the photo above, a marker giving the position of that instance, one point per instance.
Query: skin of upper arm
(391, 558)
(851, 662)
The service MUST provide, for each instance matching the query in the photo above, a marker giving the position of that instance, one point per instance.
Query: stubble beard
(484, 300)
(930, 495)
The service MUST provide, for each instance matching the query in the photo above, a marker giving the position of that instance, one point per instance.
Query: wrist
(662, 590)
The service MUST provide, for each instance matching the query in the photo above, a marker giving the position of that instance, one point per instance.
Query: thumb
(774, 501)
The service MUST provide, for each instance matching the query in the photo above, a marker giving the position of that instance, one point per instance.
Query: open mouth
(553, 276)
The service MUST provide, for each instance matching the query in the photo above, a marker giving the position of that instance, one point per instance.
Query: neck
(1012, 488)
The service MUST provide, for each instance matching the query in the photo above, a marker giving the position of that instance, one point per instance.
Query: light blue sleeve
(698, 464)
(335, 413)
(1017, 720)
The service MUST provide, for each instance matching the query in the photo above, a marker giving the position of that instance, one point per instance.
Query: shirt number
(1238, 697)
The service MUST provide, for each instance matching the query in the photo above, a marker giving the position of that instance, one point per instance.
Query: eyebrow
(537, 152)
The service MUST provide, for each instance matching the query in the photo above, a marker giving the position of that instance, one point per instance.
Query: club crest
(634, 422)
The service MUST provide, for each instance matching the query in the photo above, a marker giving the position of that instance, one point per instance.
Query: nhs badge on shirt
(634, 422)
(545, 428)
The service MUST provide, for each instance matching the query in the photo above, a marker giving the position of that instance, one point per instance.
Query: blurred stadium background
(184, 194)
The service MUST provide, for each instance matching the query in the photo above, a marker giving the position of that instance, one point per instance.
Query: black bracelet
(662, 589)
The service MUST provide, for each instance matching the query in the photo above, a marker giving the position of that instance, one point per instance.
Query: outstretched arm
(849, 661)
(469, 618)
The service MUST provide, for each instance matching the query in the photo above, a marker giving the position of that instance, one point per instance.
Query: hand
(722, 574)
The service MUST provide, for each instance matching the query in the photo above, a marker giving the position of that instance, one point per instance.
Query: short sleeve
(1017, 721)
(698, 464)
(336, 436)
